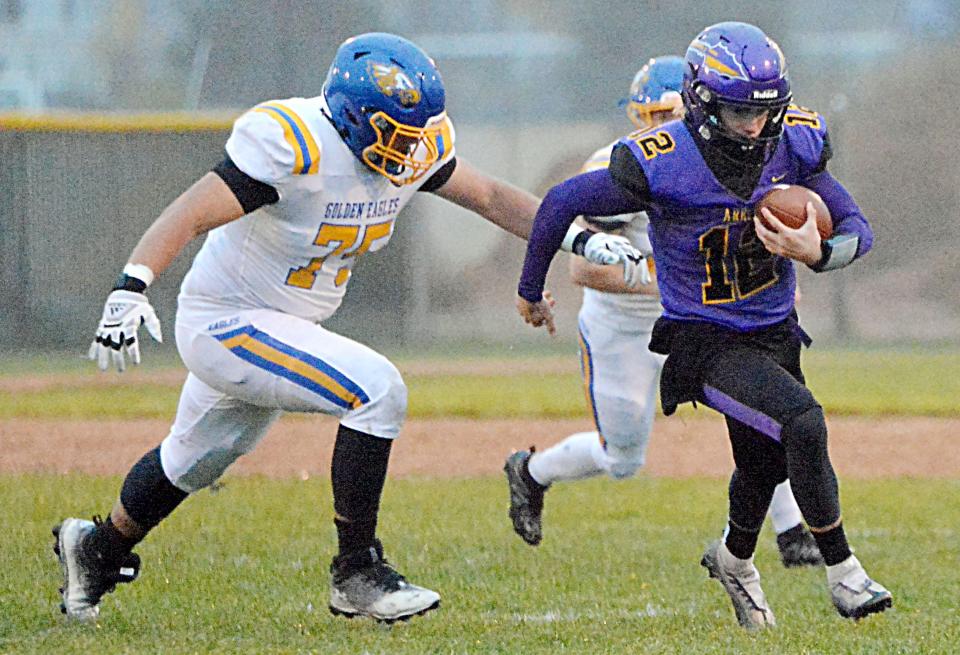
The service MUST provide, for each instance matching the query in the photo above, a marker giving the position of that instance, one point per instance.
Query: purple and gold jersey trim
(295, 132)
(301, 368)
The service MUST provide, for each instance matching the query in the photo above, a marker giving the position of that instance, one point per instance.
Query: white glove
(608, 249)
(636, 272)
(123, 314)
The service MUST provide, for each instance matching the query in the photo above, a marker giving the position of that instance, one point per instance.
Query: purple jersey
(710, 264)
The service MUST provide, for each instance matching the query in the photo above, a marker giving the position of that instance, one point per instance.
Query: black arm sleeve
(439, 178)
(250, 193)
(628, 175)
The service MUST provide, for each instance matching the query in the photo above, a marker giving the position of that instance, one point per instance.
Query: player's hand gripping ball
(788, 203)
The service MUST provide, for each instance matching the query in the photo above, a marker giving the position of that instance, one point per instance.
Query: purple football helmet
(736, 68)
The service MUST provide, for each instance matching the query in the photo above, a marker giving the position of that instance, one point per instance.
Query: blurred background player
(729, 327)
(306, 187)
(620, 373)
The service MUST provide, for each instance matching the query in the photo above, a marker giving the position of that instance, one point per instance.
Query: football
(788, 202)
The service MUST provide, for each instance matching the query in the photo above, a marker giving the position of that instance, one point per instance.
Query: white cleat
(853, 593)
(85, 579)
(364, 584)
(741, 581)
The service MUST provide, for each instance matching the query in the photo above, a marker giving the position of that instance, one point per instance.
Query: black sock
(107, 544)
(741, 543)
(358, 471)
(529, 479)
(749, 495)
(833, 545)
(147, 495)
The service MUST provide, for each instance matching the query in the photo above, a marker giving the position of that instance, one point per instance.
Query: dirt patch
(680, 447)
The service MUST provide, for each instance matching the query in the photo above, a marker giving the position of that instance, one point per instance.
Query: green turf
(244, 570)
(873, 382)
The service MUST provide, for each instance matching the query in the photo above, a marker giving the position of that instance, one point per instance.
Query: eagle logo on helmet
(394, 82)
(718, 58)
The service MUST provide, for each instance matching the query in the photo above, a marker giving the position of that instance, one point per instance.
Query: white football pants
(621, 377)
(248, 366)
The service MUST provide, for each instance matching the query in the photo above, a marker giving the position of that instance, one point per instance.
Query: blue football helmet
(736, 67)
(386, 100)
(656, 87)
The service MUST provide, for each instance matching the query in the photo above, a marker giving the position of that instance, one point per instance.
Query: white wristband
(568, 240)
(141, 272)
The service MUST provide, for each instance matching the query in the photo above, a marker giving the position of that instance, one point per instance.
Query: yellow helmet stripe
(306, 152)
(720, 67)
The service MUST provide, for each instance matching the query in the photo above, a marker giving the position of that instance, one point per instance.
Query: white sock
(571, 459)
(840, 571)
(784, 511)
(731, 561)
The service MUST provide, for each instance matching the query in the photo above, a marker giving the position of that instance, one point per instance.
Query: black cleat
(798, 548)
(526, 497)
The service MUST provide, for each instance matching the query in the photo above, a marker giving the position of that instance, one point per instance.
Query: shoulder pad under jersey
(806, 131)
(599, 159)
(272, 142)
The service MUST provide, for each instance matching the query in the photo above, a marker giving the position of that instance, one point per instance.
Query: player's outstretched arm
(610, 279)
(502, 204)
(207, 204)
(592, 193)
(514, 210)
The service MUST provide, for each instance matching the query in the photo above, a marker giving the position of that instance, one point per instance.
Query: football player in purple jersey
(729, 328)
(620, 372)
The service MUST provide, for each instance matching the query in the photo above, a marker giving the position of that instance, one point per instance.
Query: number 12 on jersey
(736, 272)
(345, 237)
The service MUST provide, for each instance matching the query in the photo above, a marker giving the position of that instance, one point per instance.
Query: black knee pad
(806, 431)
(147, 494)
(812, 477)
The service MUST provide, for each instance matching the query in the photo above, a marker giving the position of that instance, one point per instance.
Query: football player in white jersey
(620, 373)
(307, 186)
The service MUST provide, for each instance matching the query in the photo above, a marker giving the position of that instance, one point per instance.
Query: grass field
(244, 569)
(232, 573)
(889, 383)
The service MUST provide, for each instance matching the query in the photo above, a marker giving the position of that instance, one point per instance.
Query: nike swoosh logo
(776, 179)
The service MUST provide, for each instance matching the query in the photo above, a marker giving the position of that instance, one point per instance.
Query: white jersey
(633, 311)
(296, 255)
